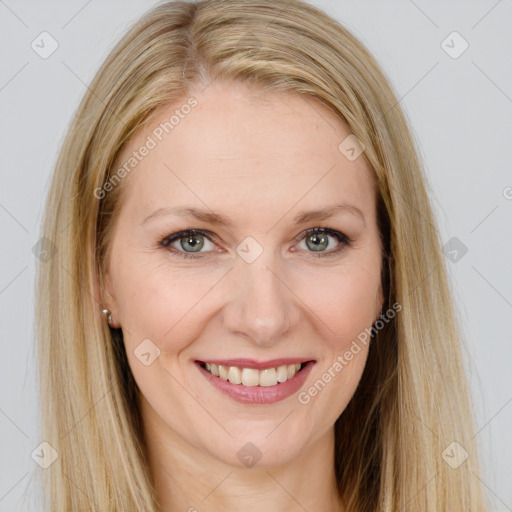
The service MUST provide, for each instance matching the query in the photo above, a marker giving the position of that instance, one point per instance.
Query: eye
(316, 240)
(188, 242)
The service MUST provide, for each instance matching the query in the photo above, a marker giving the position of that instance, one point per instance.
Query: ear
(107, 294)
(107, 298)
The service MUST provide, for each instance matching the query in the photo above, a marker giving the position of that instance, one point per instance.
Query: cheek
(159, 302)
(342, 299)
(333, 387)
(170, 303)
(346, 306)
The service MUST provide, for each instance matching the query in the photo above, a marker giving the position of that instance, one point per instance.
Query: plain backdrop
(456, 90)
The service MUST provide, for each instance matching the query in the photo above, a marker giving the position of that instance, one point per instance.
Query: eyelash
(341, 237)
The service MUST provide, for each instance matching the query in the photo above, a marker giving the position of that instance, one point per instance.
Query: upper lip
(257, 365)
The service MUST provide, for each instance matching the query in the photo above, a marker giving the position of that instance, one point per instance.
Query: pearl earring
(106, 312)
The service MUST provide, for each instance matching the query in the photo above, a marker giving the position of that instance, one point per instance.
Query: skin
(258, 160)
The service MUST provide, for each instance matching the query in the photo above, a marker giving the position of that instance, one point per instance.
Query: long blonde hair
(412, 402)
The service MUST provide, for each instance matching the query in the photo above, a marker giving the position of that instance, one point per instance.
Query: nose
(261, 307)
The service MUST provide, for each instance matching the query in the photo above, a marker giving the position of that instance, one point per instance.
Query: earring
(106, 312)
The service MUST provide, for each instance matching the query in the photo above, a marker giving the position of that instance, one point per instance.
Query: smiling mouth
(252, 377)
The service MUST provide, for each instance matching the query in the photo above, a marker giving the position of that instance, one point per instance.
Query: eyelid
(328, 231)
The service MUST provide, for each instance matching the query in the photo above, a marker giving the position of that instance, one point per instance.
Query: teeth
(223, 372)
(282, 373)
(250, 377)
(235, 375)
(268, 377)
(253, 377)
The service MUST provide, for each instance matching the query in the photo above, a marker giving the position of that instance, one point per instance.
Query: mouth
(254, 383)
(252, 374)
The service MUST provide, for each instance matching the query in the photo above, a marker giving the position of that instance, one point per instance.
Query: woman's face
(253, 290)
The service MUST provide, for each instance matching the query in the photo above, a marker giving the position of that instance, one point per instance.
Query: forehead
(238, 146)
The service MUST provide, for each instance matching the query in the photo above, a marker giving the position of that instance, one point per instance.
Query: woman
(248, 306)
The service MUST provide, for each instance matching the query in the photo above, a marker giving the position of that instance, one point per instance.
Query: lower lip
(259, 394)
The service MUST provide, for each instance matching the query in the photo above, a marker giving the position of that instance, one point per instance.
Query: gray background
(460, 110)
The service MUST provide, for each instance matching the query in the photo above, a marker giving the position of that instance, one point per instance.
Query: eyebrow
(219, 219)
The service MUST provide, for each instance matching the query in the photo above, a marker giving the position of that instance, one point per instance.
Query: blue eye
(191, 242)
